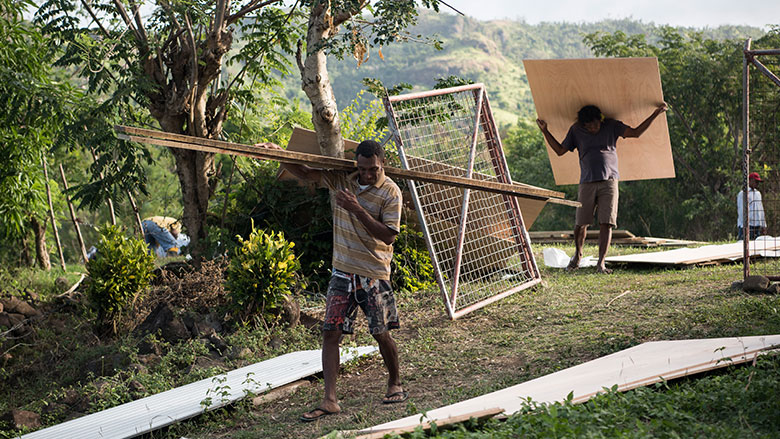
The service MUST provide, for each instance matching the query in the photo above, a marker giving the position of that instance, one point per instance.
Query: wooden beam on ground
(171, 140)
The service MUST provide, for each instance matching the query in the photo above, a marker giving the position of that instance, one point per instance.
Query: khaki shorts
(598, 194)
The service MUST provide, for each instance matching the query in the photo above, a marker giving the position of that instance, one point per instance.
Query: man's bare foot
(574, 263)
(603, 269)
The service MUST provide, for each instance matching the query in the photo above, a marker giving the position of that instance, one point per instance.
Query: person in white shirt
(757, 222)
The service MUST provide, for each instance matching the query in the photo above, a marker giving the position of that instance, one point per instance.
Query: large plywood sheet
(627, 89)
(638, 366)
(700, 255)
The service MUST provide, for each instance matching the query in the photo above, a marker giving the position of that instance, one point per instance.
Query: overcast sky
(695, 13)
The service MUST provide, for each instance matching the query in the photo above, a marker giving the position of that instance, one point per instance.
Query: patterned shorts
(374, 296)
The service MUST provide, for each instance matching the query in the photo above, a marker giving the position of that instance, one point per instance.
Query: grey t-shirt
(598, 152)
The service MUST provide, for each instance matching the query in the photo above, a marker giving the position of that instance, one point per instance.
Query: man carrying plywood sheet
(595, 138)
(366, 219)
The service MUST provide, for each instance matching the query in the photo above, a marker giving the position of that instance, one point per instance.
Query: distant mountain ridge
(490, 52)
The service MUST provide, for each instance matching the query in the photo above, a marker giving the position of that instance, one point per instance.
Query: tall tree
(385, 23)
(32, 108)
(165, 60)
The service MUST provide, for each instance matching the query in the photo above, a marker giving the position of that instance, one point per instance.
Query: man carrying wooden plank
(595, 139)
(366, 219)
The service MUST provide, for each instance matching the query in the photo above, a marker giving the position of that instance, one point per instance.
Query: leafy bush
(261, 274)
(412, 269)
(303, 215)
(118, 274)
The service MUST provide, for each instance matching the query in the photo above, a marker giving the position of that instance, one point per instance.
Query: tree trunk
(181, 105)
(315, 82)
(25, 256)
(193, 169)
(41, 254)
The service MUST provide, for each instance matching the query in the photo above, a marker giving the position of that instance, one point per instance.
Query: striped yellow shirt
(355, 250)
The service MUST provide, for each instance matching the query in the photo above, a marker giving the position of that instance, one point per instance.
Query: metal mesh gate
(478, 243)
(761, 214)
(764, 229)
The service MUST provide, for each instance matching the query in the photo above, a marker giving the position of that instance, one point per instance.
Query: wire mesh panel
(478, 243)
(764, 226)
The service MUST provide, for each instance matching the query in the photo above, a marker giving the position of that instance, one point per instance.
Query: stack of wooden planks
(619, 237)
(161, 138)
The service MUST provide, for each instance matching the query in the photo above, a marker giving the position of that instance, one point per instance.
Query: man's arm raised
(301, 171)
(642, 127)
(551, 140)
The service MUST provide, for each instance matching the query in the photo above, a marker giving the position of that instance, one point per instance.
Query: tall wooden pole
(51, 212)
(745, 159)
(110, 201)
(137, 215)
(73, 217)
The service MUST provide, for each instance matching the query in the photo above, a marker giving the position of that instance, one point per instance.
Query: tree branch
(137, 17)
(193, 73)
(171, 16)
(219, 15)
(299, 57)
(249, 8)
(241, 73)
(128, 21)
(94, 18)
(339, 19)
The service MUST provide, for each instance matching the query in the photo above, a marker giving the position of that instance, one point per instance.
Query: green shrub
(303, 216)
(261, 274)
(412, 269)
(118, 274)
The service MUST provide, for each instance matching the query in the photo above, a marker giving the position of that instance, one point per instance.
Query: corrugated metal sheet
(150, 413)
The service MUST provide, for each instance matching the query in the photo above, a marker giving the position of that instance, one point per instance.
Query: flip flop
(388, 399)
(322, 414)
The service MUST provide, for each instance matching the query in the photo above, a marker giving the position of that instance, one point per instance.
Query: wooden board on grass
(638, 366)
(707, 254)
(626, 89)
(619, 237)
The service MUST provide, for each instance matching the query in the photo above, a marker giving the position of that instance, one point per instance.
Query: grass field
(569, 319)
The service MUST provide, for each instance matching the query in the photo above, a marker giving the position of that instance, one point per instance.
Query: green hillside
(489, 52)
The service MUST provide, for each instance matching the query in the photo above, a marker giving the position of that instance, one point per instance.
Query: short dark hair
(589, 113)
(368, 148)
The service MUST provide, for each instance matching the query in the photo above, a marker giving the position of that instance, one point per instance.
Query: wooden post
(745, 159)
(227, 191)
(137, 215)
(110, 201)
(73, 217)
(51, 212)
